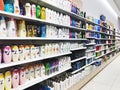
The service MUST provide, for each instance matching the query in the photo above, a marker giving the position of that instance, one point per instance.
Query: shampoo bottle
(8, 80)
(27, 52)
(38, 11)
(32, 52)
(43, 13)
(1, 5)
(16, 7)
(3, 30)
(11, 27)
(9, 6)
(15, 53)
(7, 54)
(22, 10)
(33, 10)
(21, 29)
(43, 30)
(27, 74)
(15, 78)
(1, 81)
(28, 9)
(22, 76)
(21, 53)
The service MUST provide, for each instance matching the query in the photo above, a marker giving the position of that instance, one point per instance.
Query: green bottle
(38, 11)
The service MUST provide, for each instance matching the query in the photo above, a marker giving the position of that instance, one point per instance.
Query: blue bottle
(43, 31)
(9, 6)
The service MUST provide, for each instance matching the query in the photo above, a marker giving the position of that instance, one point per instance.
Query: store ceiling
(115, 5)
(117, 2)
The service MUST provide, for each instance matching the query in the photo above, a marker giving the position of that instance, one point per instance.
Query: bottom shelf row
(56, 71)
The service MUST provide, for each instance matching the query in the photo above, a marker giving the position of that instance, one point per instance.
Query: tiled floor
(108, 79)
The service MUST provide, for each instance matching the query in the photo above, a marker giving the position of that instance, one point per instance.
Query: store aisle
(108, 79)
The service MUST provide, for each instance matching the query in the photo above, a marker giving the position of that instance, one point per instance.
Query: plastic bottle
(43, 13)
(8, 6)
(7, 54)
(33, 10)
(21, 29)
(3, 30)
(11, 28)
(1, 5)
(2, 81)
(43, 30)
(8, 80)
(16, 7)
(22, 10)
(28, 9)
(38, 11)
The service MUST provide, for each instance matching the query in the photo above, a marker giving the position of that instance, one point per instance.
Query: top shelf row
(56, 8)
(62, 10)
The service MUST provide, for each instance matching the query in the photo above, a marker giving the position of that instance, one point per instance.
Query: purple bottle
(22, 10)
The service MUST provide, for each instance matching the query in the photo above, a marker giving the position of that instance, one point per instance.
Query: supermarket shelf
(90, 57)
(80, 48)
(32, 60)
(90, 37)
(6, 14)
(83, 82)
(90, 44)
(90, 50)
(99, 44)
(78, 59)
(100, 50)
(78, 70)
(37, 38)
(104, 44)
(83, 67)
(104, 54)
(38, 80)
(102, 38)
(90, 63)
(56, 8)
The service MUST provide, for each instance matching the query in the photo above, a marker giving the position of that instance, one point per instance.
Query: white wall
(97, 7)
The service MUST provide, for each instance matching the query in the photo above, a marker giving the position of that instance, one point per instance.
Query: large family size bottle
(1, 5)
(8, 7)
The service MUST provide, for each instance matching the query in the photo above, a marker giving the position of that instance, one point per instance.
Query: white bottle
(3, 30)
(28, 9)
(11, 27)
(16, 7)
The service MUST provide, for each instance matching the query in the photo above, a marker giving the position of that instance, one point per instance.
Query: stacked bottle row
(25, 52)
(21, 75)
(65, 81)
(10, 28)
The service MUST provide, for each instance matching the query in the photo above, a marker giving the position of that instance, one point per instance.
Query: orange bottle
(1, 5)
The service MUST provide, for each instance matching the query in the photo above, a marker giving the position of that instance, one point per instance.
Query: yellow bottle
(21, 29)
(43, 13)
(8, 80)
(1, 81)
(29, 30)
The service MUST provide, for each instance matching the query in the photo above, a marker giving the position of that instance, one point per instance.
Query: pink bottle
(15, 78)
(7, 54)
(22, 76)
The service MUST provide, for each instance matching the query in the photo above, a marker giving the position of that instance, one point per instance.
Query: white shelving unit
(81, 48)
(78, 59)
(32, 60)
(38, 80)
(56, 8)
